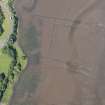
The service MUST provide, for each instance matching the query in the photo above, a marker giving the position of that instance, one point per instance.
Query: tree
(12, 39)
(24, 57)
(2, 76)
(15, 24)
(19, 66)
(11, 51)
(1, 30)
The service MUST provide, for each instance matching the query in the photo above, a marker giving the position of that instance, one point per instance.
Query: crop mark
(76, 22)
(52, 37)
(32, 7)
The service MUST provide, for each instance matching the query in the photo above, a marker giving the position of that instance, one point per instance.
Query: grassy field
(8, 22)
(20, 56)
(5, 59)
(6, 65)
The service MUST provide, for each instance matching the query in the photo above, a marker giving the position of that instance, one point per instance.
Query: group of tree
(15, 18)
(15, 24)
(3, 84)
(2, 17)
(10, 50)
(14, 67)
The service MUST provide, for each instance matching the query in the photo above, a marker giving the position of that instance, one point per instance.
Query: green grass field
(20, 56)
(5, 61)
(4, 64)
(7, 24)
